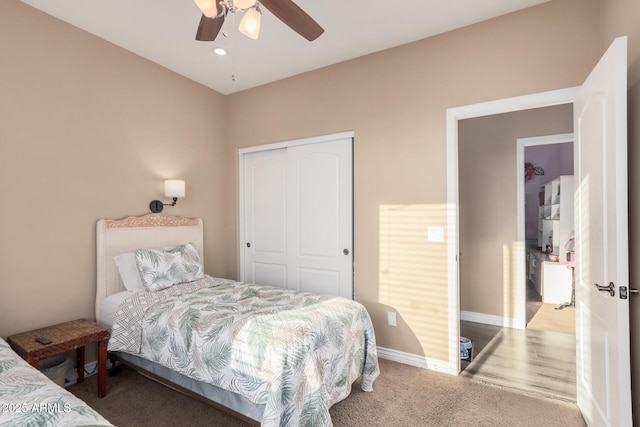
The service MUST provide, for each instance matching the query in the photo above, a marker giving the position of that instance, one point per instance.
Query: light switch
(391, 318)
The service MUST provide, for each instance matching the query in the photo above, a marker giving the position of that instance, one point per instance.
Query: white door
(297, 226)
(265, 222)
(602, 317)
(320, 208)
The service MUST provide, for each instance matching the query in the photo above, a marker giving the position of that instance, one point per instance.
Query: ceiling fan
(215, 11)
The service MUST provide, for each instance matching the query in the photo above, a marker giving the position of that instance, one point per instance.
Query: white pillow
(129, 272)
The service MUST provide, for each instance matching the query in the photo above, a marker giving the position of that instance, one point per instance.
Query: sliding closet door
(321, 226)
(265, 222)
(298, 217)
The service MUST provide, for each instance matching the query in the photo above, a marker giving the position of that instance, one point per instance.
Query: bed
(29, 398)
(266, 355)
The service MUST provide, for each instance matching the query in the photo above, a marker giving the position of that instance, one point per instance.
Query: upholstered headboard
(116, 236)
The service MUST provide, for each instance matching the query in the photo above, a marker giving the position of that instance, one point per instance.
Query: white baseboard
(415, 360)
(489, 319)
(90, 369)
(440, 365)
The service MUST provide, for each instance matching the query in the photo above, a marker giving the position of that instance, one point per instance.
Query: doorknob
(248, 244)
(346, 251)
(611, 288)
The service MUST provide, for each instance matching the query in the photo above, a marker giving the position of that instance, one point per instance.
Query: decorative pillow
(165, 267)
(129, 273)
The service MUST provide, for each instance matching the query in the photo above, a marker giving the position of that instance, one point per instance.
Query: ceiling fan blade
(209, 28)
(296, 18)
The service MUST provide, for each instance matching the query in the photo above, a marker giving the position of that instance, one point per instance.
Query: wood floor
(531, 360)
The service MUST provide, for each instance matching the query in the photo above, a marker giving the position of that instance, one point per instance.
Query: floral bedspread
(296, 353)
(29, 398)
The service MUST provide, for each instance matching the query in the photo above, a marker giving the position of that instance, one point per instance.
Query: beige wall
(488, 210)
(396, 101)
(88, 130)
(621, 17)
(108, 126)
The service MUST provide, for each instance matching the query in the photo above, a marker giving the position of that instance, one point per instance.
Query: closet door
(265, 220)
(320, 210)
(298, 217)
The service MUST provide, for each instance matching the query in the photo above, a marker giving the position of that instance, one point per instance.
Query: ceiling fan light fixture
(250, 24)
(244, 4)
(209, 8)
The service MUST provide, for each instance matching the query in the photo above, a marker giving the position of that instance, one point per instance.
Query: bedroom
(90, 131)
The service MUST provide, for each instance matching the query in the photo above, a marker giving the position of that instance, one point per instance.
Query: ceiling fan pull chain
(235, 52)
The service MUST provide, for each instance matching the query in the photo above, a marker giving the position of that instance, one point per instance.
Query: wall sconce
(173, 188)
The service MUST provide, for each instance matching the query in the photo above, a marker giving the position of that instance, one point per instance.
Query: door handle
(346, 251)
(611, 288)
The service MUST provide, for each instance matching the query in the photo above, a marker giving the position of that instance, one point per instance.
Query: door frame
(522, 143)
(525, 102)
(275, 146)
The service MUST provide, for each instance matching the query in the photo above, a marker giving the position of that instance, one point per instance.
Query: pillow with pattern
(165, 267)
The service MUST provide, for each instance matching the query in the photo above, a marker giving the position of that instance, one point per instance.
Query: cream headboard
(116, 236)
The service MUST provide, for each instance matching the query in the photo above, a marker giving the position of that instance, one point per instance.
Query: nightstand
(65, 337)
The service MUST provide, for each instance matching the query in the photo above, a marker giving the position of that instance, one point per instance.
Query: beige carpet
(403, 396)
(547, 318)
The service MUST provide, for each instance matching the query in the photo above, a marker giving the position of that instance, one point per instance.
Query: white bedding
(109, 306)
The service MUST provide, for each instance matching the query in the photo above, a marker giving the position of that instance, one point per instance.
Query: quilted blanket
(28, 398)
(296, 353)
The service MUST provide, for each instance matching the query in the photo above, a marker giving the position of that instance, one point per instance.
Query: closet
(296, 219)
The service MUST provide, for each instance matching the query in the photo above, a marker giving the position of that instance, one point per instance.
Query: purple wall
(556, 160)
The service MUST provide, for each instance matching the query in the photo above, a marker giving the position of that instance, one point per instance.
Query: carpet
(547, 318)
(403, 396)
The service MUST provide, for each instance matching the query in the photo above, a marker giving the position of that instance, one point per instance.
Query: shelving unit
(555, 215)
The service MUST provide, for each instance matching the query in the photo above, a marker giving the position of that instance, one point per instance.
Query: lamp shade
(174, 188)
(250, 24)
(208, 7)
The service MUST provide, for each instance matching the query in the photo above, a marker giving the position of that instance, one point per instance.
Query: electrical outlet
(391, 318)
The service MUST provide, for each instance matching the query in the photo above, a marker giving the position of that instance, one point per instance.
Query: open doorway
(547, 191)
(602, 315)
(493, 282)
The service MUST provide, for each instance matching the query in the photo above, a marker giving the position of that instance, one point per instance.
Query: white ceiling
(163, 31)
